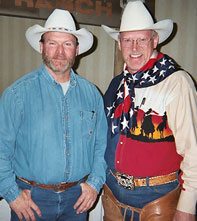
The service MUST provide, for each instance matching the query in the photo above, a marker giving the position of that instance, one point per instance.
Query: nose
(60, 49)
(134, 44)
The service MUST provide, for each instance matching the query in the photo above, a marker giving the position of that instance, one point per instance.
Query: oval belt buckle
(126, 181)
(131, 183)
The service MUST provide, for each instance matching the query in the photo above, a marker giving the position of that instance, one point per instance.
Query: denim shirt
(48, 137)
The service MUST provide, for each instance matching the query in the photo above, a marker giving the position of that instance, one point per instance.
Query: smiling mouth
(135, 55)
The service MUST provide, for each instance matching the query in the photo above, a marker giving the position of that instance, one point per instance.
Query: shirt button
(118, 161)
(121, 142)
(67, 154)
(67, 172)
(65, 117)
(66, 136)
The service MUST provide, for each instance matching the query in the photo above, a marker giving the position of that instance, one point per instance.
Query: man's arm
(10, 117)
(10, 120)
(97, 177)
(182, 119)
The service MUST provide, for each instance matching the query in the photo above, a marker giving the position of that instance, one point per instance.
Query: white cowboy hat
(61, 21)
(136, 17)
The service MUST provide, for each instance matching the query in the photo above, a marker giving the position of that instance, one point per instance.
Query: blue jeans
(54, 206)
(138, 197)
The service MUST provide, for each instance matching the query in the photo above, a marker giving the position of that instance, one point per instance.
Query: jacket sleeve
(10, 117)
(97, 176)
(182, 119)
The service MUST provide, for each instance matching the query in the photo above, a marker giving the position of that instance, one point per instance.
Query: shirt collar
(51, 79)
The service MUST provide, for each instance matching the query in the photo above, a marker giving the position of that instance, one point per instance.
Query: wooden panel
(183, 43)
(98, 67)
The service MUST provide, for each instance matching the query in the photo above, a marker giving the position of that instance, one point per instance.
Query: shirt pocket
(88, 123)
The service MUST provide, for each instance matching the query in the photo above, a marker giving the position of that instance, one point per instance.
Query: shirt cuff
(187, 202)
(12, 194)
(95, 183)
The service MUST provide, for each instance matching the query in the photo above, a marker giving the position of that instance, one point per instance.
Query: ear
(41, 47)
(77, 49)
(155, 41)
(119, 44)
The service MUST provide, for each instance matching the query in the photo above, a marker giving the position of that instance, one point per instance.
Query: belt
(129, 182)
(56, 187)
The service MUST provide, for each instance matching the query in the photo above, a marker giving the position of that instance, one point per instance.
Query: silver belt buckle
(126, 181)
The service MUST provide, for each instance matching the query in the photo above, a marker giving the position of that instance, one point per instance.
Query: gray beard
(50, 65)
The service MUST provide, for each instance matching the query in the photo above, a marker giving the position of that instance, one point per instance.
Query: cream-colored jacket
(178, 97)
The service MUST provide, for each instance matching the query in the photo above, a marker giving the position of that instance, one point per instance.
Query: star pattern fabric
(121, 109)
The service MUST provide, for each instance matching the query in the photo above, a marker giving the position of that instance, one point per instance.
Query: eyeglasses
(127, 42)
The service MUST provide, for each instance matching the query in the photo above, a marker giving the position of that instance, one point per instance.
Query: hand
(87, 198)
(23, 206)
(181, 216)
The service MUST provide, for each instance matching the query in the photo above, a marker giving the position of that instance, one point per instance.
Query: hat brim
(34, 33)
(163, 28)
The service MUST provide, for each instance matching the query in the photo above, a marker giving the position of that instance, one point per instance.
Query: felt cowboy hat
(59, 21)
(136, 17)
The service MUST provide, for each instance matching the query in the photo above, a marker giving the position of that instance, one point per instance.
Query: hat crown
(60, 19)
(135, 17)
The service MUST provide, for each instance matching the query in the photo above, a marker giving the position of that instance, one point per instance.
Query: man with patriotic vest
(151, 109)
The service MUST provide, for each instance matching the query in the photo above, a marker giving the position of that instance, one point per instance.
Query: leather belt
(56, 187)
(129, 182)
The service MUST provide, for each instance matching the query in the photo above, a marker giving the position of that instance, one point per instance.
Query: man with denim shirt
(53, 130)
